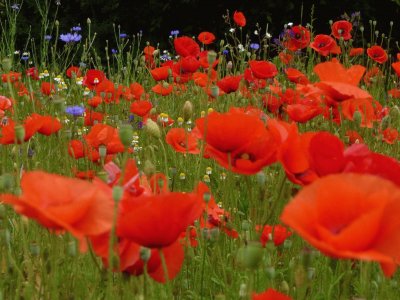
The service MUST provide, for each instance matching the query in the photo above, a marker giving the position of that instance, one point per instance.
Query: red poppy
(73, 71)
(31, 126)
(302, 113)
(238, 141)
(239, 18)
(378, 54)
(354, 137)
(189, 64)
(92, 117)
(95, 101)
(93, 78)
(61, 203)
(390, 135)
(396, 67)
(296, 76)
(285, 58)
(342, 29)
(270, 294)
(296, 38)
(186, 46)
(141, 108)
(157, 221)
(206, 37)
(229, 84)
(161, 73)
(349, 216)
(49, 124)
(356, 52)
(47, 88)
(11, 77)
(263, 69)
(325, 45)
(363, 106)
(182, 141)
(163, 89)
(277, 233)
(33, 73)
(137, 90)
(106, 135)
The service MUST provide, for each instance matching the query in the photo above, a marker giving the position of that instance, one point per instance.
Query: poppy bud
(153, 129)
(211, 57)
(250, 256)
(34, 249)
(357, 117)
(395, 112)
(88, 21)
(261, 178)
(71, 248)
(187, 110)
(385, 122)
(229, 65)
(125, 134)
(214, 91)
(19, 133)
(284, 287)
(145, 254)
(243, 291)
(117, 193)
(206, 197)
(57, 23)
(6, 183)
(270, 271)
(246, 225)
(102, 151)
(6, 63)
(102, 175)
(299, 276)
(149, 169)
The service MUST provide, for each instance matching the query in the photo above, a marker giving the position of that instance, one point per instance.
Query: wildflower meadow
(250, 165)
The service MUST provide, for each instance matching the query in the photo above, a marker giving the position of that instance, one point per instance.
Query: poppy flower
(396, 67)
(182, 141)
(239, 18)
(141, 108)
(354, 137)
(73, 71)
(49, 124)
(206, 37)
(349, 216)
(157, 221)
(30, 125)
(276, 233)
(186, 46)
(378, 54)
(297, 38)
(63, 204)
(163, 89)
(342, 29)
(93, 78)
(137, 90)
(10, 77)
(92, 117)
(161, 73)
(285, 58)
(47, 88)
(102, 134)
(95, 101)
(296, 76)
(363, 106)
(263, 69)
(229, 84)
(302, 113)
(390, 135)
(325, 45)
(270, 294)
(356, 52)
(32, 73)
(237, 141)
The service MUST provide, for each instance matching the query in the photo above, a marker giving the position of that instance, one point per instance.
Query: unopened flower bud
(117, 193)
(102, 151)
(187, 110)
(385, 122)
(145, 254)
(34, 249)
(71, 248)
(250, 256)
(284, 287)
(153, 129)
(125, 134)
(211, 57)
(149, 169)
(357, 118)
(214, 91)
(19, 133)
(88, 21)
(6, 64)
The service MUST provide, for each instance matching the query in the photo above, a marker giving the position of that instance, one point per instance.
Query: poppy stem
(165, 157)
(165, 270)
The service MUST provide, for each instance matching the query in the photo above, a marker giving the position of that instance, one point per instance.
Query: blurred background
(157, 18)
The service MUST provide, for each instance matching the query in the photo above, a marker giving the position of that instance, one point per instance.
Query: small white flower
(255, 32)
(268, 35)
(240, 47)
(290, 24)
(232, 30)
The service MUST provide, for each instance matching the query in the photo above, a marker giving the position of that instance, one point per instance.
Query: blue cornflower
(225, 52)
(15, 6)
(76, 28)
(47, 37)
(255, 46)
(123, 35)
(75, 110)
(174, 32)
(165, 57)
(131, 118)
(25, 56)
(140, 125)
(114, 51)
(70, 37)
